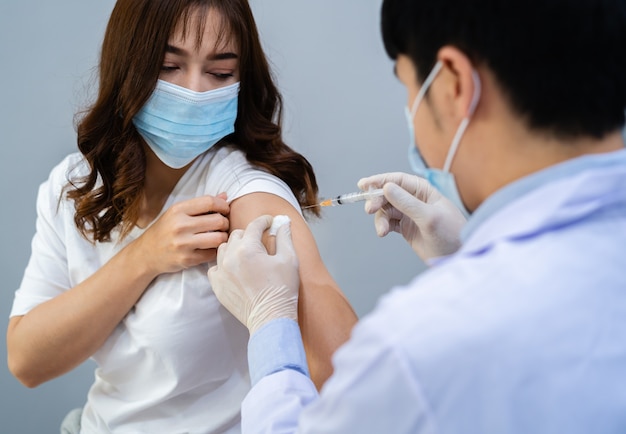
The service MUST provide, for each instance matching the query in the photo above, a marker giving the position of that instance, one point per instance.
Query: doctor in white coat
(516, 107)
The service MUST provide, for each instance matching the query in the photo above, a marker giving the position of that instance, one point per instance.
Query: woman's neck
(159, 182)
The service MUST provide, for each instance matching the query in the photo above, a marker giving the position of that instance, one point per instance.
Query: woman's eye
(168, 68)
(221, 76)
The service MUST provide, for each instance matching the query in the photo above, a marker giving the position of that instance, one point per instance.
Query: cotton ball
(278, 221)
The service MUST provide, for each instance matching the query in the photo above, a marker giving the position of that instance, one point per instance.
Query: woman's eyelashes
(222, 75)
(219, 75)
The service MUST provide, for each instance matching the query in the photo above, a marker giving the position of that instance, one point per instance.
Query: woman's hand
(59, 334)
(187, 234)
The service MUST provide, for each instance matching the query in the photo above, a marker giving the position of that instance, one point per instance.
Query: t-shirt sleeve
(237, 177)
(46, 274)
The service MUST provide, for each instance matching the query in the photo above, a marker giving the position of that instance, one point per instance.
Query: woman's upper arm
(325, 316)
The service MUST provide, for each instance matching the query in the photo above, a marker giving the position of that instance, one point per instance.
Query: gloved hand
(254, 286)
(414, 208)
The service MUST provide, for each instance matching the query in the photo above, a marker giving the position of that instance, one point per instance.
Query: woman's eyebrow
(213, 56)
(175, 50)
(222, 56)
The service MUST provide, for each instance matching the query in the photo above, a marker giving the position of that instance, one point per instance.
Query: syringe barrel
(358, 196)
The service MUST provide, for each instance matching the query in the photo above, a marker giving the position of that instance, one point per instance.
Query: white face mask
(441, 179)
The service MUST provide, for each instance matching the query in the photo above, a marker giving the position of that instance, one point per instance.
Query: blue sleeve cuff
(275, 347)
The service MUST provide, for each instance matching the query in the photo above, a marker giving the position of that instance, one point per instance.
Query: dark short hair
(561, 63)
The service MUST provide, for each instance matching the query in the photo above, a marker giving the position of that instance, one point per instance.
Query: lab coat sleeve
(279, 374)
(274, 347)
(373, 389)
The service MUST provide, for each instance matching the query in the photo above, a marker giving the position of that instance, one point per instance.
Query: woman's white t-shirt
(177, 363)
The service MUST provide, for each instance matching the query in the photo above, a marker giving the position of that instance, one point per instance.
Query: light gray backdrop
(344, 112)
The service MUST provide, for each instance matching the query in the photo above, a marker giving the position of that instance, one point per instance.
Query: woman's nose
(193, 80)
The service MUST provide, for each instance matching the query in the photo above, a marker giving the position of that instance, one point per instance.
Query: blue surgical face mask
(441, 179)
(179, 124)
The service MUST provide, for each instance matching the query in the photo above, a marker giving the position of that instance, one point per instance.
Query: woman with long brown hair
(182, 145)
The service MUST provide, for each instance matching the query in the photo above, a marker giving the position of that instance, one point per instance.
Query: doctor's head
(549, 71)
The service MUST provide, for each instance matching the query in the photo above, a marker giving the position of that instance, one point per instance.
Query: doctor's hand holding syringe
(411, 206)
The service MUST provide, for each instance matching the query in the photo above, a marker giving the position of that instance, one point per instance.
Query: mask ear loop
(464, 123)
(420, 95)
(410, 114)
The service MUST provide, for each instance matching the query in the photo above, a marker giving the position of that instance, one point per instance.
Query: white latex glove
(412, 207)
(254, 286)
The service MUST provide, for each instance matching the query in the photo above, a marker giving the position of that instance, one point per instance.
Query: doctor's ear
(462, 83)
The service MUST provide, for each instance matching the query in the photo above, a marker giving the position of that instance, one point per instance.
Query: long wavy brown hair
(132, 54)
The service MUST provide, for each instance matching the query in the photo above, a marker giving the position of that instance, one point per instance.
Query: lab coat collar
(553, 197)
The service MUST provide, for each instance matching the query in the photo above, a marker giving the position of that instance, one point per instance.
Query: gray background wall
(344, 111)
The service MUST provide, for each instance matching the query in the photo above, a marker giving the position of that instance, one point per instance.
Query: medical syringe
(350, 198)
